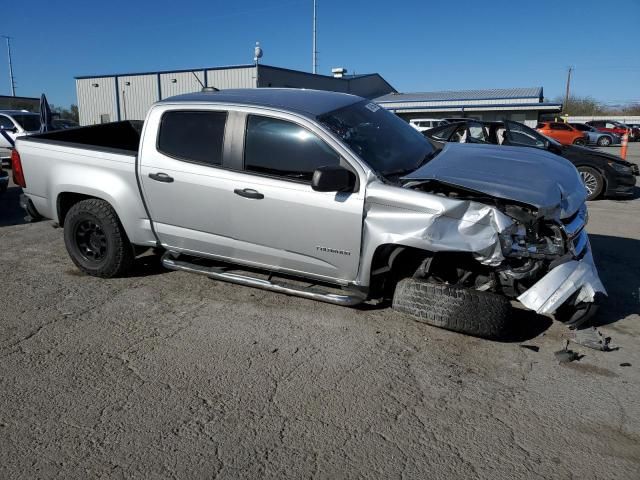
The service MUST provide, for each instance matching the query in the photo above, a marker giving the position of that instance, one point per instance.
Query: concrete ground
(172, 375)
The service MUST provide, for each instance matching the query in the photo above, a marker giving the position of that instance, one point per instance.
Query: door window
(519, 134)
(283, 149)
(478, 133)
(559, 126)
(445, 132)
(193, 136)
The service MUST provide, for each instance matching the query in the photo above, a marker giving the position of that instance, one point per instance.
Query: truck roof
(307, 102)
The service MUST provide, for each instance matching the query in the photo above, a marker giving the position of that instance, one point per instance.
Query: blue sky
(416, 45)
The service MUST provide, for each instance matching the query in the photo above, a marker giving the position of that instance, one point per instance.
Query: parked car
(616, 127)
(327, 188)
(596, 137)
(562, 132)
(602, 173)
(422, 124)
(16, 123)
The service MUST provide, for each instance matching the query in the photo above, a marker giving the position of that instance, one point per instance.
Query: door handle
(249, 193)
(161, 177)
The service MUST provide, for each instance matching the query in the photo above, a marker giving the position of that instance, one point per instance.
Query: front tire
(604, 141)
(592, 180)
(96, 240)
(580, 141)
(464, 310)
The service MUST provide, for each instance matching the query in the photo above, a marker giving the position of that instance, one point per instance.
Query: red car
(562, 132)
(613, 126)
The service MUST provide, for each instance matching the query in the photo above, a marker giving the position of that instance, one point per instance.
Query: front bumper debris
(557, 286)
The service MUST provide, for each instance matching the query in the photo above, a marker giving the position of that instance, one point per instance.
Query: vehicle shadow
(633, 196)
(11, 213)
(525, 325)
(618, 262)
(147, 265)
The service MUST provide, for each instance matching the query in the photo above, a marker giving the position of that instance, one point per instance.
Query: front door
(278, 219)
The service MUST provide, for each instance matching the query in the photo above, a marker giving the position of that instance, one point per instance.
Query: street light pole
(11, 80)
(567, 92)
(315, 38)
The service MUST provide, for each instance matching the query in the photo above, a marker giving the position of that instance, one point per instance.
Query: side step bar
(221, 273)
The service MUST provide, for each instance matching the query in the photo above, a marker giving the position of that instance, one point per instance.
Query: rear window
(194, 136)
(540, 125)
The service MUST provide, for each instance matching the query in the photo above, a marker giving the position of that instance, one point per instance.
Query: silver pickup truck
(322, 195)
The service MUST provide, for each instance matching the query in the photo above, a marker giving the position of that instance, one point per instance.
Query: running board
(222, 273)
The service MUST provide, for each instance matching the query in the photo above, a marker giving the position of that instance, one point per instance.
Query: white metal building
(109, 98)
(519, 104)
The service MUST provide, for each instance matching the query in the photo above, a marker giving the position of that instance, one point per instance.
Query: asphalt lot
(172, 375)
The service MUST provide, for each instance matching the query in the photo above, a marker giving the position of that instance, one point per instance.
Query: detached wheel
(604, 141)
(580, 141)
(481, 314)
(592, 180)
(96, 240)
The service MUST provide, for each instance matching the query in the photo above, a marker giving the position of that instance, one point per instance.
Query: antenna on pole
(11, 79)
(257, 53)
(315, 38)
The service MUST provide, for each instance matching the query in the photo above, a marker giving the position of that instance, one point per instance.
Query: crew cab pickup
(323, 195)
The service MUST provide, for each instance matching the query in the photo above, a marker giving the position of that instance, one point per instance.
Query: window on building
(195, 136)
(284, 149)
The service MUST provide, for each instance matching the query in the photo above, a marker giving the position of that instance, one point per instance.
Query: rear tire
(604, 141)
(592, 180)
(481, 314)
(96, 240)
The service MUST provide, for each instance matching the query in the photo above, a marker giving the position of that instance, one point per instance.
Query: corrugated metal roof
(458, 95)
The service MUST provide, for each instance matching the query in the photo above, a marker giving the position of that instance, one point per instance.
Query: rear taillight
(16, 167)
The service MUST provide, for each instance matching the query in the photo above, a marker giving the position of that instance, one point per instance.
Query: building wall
(276, 78)
(136, 94)
(222, 78)
(181, 82)
(528, 117)
(618, 118)
(96, 101)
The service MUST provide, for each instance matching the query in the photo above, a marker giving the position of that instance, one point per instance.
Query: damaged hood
(526, 175)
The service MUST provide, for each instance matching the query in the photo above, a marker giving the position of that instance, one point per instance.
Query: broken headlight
(536, 241)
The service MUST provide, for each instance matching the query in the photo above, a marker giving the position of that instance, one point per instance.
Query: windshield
(386, 142)
(30, 123)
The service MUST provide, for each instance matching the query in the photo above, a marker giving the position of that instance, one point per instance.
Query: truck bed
(97, 161)
(116, 137)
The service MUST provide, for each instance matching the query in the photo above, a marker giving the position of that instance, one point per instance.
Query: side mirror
(11, 129)
(333, 178)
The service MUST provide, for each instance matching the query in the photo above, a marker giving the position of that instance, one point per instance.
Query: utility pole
(315, 38)
(11, 80)
(566, 95)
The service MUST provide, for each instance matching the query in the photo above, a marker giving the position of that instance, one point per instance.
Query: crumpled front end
(544, 262)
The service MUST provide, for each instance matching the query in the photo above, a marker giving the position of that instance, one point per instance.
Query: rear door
(279, 220)
(184, 183)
